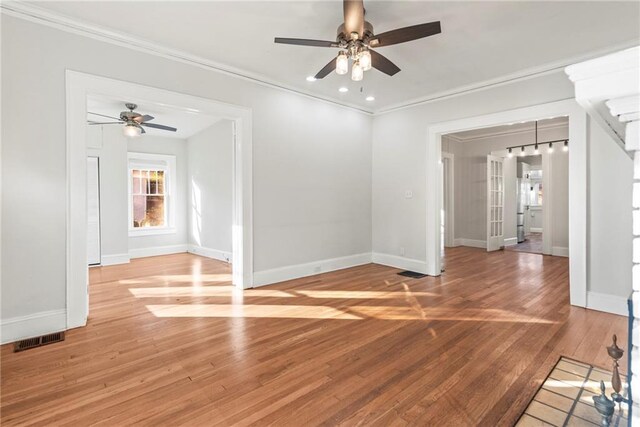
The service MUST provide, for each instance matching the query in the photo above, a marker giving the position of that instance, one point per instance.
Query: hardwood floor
(532, 244)
(170, 342)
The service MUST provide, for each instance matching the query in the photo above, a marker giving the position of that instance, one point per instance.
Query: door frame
(78, 87)
(449, 230)
(578, 181)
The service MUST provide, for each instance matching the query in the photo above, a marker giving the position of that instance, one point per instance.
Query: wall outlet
(408, 194)
(401, 251)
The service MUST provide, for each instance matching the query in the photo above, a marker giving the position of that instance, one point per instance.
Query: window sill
(150, 231)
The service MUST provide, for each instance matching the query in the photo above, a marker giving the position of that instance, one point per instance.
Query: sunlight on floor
(225, 291)
(351, 312)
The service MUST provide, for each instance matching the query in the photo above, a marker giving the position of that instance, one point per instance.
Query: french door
(495, 203)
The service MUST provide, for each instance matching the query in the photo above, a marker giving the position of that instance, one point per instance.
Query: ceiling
(188, 123)
(480, 41)
(470, 135)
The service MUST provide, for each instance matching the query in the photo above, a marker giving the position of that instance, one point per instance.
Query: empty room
(302, 213)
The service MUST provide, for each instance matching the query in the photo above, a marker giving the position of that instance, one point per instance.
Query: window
(148, 198)
(150, 190)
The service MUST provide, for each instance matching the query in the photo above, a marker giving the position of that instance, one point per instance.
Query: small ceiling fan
(356, 39)
(133, 122)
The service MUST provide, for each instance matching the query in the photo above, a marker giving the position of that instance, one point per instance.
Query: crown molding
(522, 75)
(48, 18)
(506, 132)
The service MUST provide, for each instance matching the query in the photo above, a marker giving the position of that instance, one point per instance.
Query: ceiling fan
(133, 122)
(356, 39)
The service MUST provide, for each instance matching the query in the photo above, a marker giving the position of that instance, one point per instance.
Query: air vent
(412, 274)
(38, 341)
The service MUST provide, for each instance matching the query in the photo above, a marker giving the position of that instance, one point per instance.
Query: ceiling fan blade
(103, 123)
(145, 118)
(103, 115)
(142, 131)
(305, 42)
(327, 69)
(381, 63)
(405, 34)
(353, 17)
(157, 126)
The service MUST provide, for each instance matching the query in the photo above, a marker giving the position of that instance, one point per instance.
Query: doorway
(79, 87)
(576, 171)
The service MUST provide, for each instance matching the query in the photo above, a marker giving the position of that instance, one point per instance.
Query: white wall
(311, 160)
(210, 189)
(471, 183)
(399, 164)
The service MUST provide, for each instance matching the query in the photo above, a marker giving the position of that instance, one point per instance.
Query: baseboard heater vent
(38, 341)
(412, 274)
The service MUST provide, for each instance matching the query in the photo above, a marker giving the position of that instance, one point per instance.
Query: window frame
(148, 161)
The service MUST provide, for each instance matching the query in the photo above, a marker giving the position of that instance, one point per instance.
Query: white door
(93, 211)
(495, 203)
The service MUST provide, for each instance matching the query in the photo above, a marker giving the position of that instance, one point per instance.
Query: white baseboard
(399, 262)
(470, 243)
(33, 325)
(114, 259)
(157, 250)
(559, 251)
(267, 277)
(607, 303)
(535, 230)
(510, 241)
(210, 253)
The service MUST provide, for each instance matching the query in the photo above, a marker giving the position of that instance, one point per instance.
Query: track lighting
(565, 148)
(510, 155)
(536, 151)
(522, 153)
(550, 150)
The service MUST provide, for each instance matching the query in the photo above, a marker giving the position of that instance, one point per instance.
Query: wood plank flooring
(170, 342)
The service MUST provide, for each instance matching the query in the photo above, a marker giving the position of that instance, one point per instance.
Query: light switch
(408, 194)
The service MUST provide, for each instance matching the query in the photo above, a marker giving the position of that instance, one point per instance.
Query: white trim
(399, 262)
(157, 250)
(78, 87)
(151, 231)
(493, 134)
(114, 259)
(578, 182)
(211, 253)
(33, 325)
(511, 241)
(449, 232)
(560, 251)
(29, 12)
(536, 230)
(607, 303)
(471, 243)
(290, 272)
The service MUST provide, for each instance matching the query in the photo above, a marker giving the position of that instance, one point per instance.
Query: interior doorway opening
(511, 187)
(81, 88)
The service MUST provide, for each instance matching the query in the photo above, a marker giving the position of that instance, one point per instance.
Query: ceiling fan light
(132, 130)
(365, 60)
(357, 72)
(342, 63)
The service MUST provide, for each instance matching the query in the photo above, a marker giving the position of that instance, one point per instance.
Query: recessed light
(311, 79)
(343, 89)
(370, 98)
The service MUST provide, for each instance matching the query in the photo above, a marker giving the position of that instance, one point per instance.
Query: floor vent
(38, 341)
(412, 274)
